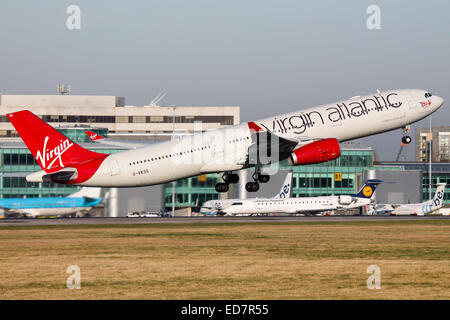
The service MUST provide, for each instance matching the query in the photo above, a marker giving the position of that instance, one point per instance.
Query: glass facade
(192, 191)
(78, 134)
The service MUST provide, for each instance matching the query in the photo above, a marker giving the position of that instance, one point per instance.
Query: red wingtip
(254, 127)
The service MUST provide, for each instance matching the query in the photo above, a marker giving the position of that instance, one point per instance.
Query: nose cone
(437, 102)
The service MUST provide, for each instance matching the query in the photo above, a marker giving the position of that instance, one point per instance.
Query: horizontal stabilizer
(63, 175)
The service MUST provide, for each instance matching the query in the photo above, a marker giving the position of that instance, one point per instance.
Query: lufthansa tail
(60, 158)
(368, 189)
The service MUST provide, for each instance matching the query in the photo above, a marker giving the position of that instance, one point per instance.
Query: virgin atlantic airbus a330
(304, 137)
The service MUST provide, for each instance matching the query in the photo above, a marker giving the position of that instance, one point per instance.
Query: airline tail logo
(437, 200)
(47, 157)
(367, 191)
(93, 136)
(368, 188)
(285, 191)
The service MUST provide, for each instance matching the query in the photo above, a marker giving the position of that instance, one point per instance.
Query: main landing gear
(406, 139)
(257, 177)
(227, 177)
(253, 186)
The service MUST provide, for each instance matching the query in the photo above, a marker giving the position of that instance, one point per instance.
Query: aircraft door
(410, 101)
(114, 167)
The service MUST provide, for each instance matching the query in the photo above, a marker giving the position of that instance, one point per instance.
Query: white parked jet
(307, 205)
(218, 207)
(304, 137)
(414, 209)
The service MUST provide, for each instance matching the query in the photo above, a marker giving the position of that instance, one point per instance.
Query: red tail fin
(51, 149)
(94, 136)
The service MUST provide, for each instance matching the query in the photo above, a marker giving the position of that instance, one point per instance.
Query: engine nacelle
(316, 152)
(345, 200)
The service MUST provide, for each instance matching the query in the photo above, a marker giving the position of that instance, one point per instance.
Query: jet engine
(345, 200)
(315, 152)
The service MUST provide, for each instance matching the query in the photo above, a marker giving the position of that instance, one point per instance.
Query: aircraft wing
(264, 139)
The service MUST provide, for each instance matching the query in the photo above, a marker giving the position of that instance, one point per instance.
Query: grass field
(228, 261)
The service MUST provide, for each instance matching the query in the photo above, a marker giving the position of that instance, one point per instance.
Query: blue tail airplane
(84, 199)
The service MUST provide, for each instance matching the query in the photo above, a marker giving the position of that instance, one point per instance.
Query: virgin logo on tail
(53, 155)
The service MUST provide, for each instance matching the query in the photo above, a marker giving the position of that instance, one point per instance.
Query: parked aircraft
(416, 209)
(304, 137)
(95, 137)
(84, 199)
(218, 207)
(306, 205)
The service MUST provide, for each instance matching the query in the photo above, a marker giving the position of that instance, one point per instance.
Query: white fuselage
(44, 212)
(227, 149)
(284, 205)
(419, 209)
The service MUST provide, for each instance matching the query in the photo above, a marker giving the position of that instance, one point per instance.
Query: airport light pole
(429, 158)
(173, 182)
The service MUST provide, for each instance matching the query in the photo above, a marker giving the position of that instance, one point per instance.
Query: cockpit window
(427, 95)
(236, 204)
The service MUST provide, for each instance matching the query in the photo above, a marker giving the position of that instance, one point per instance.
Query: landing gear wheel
(252, 186)
(229, 177)
(406, 139)
(264, 178)
(259, 177)
(222, 187)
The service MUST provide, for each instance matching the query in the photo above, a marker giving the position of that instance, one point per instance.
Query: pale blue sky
(268, 57)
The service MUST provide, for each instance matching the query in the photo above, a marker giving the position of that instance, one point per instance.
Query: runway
(192, 220)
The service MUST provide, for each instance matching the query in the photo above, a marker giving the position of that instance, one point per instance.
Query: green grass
(325, 260)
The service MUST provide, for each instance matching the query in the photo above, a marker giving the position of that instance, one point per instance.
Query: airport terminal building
(111, 112)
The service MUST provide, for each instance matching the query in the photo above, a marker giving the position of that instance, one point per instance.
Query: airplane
(306, 205)
(95, 137)
(303, 137)
(217, 207)
(84, 199)
(414, 209)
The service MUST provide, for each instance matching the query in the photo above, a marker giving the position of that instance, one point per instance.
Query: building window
(156, 119)
(122, 119)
